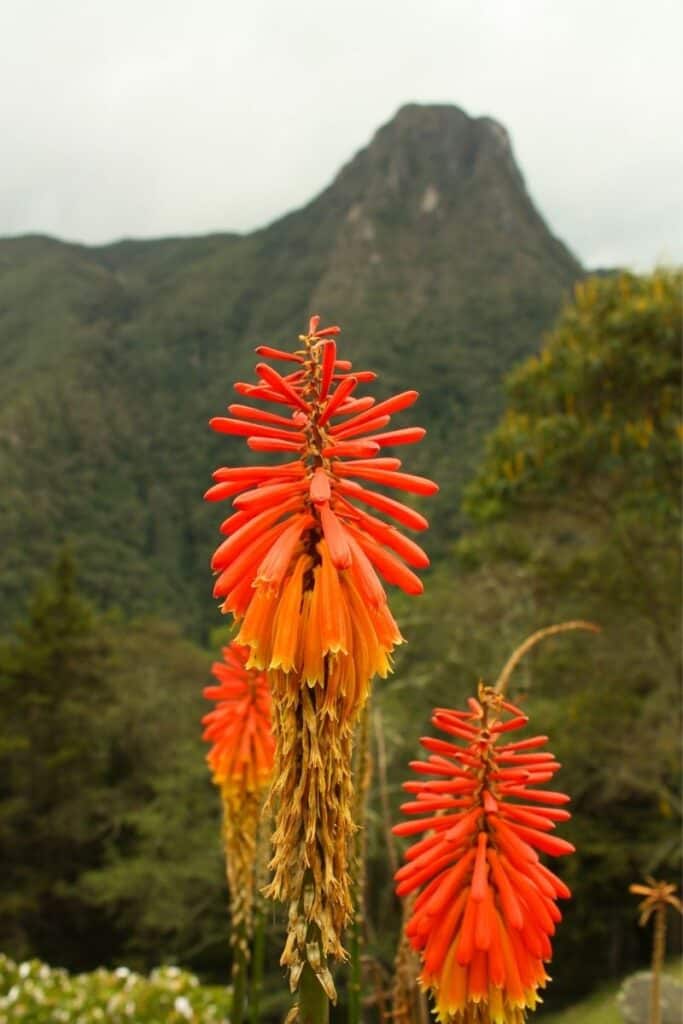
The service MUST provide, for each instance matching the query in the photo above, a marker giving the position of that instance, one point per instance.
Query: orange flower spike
(239, 727)
(241, 759)
(300, 570)
(333, 441)
(484, 919)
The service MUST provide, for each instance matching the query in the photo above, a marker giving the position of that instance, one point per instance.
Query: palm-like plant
(658, 896)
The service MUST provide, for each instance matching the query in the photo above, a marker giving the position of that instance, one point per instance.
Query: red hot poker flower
(487, 907)
(240, 726)
(241, 759)
(302, 560)
(300, 570)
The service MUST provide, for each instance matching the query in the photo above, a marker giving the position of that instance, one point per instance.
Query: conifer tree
(51, 674)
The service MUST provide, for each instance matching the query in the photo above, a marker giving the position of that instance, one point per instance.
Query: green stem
(239, 976)
(257, 961)
(314, 1006)
(355, 972)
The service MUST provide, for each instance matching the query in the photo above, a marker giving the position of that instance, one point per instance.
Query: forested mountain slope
(426, 248)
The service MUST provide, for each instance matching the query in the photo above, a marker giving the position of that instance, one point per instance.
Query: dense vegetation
(107, 816)
(34, 993)
(113, 359)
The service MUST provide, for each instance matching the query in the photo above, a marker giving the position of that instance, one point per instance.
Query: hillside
(426, 247)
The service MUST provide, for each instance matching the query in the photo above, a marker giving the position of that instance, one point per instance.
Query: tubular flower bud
(487, 905)
(303, 563)
(241, 761)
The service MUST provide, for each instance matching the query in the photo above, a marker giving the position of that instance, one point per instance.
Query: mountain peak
(433, 184)
(439, 142)
(443, 126)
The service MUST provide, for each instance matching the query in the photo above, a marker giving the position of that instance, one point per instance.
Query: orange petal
(335, 537)
(396, 509)
(342, 392)
(287, 623)
(479, 877)
(389, 566)
(274, 566)
(319, 490)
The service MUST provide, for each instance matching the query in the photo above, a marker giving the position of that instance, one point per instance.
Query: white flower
(182, 1006)
(24, 969)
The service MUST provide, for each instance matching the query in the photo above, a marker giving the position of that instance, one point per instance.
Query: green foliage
(161, 878)
(596, 416)
(33, 993)
(51, 823)
(107, 813)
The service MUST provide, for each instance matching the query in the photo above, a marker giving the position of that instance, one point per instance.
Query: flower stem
(257, 961)
(239, 975)
(531, 641)
(658, 947)
(362, 773)
(409, 1003)
(353, 1005)
(314, 1006)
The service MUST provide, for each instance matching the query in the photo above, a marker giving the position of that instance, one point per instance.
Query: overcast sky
(157, 117)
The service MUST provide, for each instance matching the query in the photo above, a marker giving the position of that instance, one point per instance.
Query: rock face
(634, 999)
(426, 248)
(435, 201)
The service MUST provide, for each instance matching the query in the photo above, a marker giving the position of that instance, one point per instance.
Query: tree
(52, 762)
(108, 821)
(596, 416)
(162, 879)
(587, 456)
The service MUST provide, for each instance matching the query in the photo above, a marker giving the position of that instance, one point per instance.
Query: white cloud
(160, 117)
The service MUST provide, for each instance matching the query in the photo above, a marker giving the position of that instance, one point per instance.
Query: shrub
(34, 993)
